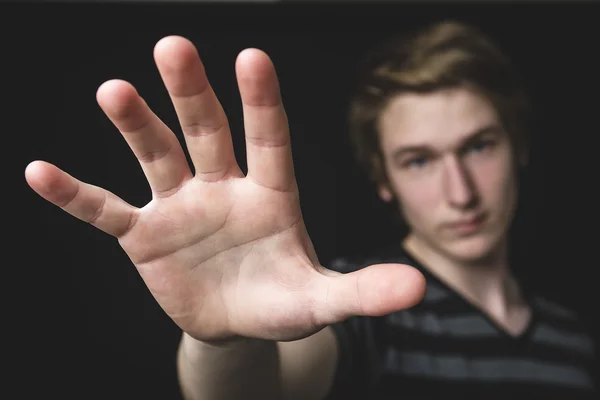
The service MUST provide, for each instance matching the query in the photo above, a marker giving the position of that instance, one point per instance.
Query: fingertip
(386, 288)
(170, 40)
(251, 52)
(415, 287)
(115, 89)
(32, 171)
(117, 98)
(38, 168)
(174, 51)
(255, 60)
(257, 79)
(32, 166)
(39, 177)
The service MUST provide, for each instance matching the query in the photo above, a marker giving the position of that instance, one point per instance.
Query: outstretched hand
(225, 254)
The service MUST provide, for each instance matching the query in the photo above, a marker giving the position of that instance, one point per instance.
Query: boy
(439, 121)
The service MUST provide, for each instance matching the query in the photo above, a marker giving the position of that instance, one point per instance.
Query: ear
(385, 193)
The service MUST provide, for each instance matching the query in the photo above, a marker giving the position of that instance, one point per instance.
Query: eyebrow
(486, 130)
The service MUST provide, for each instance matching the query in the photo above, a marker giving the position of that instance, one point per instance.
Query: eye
(416, 162)
(479, 146)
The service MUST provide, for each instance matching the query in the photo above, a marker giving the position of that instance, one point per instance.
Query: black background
(82, 324)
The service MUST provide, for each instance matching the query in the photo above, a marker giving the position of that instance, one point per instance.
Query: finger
(202, 119)
(89, 203)
(268, 147)
(373, 291)
(152, 142)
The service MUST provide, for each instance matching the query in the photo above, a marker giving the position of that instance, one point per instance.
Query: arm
(301, 369)
(226, 254)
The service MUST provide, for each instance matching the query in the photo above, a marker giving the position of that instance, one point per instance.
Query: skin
(449, 160)
(226, 256)
(452, 171)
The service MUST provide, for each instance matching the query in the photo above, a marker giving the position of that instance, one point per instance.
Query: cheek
(417, 197)
(496, 180)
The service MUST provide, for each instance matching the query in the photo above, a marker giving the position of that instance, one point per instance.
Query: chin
(471, 249)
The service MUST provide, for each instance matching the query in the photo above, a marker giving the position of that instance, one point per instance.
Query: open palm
(224, 254)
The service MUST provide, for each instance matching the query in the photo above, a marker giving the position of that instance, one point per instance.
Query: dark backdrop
(82, 323)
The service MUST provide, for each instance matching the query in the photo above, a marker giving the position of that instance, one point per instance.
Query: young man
(439, 121)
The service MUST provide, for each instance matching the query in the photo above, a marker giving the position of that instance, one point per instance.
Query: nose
(458, 185)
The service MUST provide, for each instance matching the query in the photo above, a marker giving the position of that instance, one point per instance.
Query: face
(451, 168)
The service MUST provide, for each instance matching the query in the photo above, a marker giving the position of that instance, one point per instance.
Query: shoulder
(558, 314)
(553, 308)
(562, 325)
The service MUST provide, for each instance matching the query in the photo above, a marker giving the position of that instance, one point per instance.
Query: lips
(467, 226)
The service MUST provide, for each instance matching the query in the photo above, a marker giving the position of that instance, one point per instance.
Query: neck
(486, 282)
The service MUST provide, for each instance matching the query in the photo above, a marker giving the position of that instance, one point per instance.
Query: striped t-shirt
(446, 347)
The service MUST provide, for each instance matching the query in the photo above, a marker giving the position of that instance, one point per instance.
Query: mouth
(468, 225)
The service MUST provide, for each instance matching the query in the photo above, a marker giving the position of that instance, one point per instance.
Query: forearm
(248, 370)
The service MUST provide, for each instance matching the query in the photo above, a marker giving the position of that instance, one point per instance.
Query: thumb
(376, 290)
